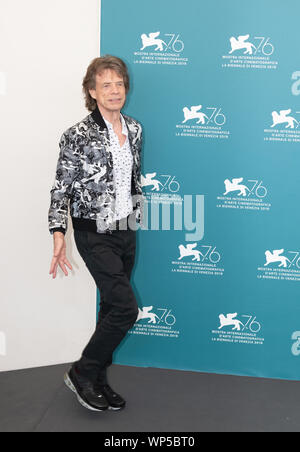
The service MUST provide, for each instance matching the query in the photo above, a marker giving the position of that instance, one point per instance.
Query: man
(99, 171)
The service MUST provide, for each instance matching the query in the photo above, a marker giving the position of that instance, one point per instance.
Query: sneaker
(115, 401)
(84, 390)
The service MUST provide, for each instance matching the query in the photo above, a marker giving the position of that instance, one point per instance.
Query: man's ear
(92, 93)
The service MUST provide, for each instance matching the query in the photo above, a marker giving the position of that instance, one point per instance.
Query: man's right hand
(59, 255)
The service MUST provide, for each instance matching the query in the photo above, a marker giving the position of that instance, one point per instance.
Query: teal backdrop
(216, 87)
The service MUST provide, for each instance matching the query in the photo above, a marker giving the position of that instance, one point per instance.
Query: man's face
(110, 92)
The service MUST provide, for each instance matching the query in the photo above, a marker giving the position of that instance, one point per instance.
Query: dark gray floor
(158, 400)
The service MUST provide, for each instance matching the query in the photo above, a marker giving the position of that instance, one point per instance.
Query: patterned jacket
(84, 176)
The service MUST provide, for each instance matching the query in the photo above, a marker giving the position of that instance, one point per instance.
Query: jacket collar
(98, 118)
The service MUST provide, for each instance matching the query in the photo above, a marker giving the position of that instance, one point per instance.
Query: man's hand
(59, 255)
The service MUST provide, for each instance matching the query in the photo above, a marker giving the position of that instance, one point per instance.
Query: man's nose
(115, 88)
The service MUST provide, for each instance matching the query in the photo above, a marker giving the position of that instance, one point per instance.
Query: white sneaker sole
(70, 385)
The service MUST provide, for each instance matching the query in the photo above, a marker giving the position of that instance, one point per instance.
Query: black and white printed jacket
(84, 176)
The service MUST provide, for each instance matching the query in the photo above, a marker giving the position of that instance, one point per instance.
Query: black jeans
(110, 260)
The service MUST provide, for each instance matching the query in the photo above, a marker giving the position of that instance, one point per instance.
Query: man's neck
(113, 117)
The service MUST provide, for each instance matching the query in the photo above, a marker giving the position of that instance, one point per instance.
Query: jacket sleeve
(140, 156)
(66, 171)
